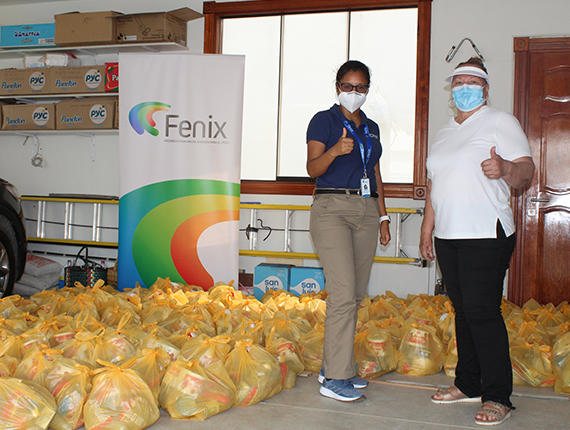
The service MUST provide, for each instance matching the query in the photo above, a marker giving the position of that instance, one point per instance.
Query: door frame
(523, 48)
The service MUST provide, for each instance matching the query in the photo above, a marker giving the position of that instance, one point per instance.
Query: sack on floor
(450, 362)
(311, 347)
(151, 365)
(374, 352)
(288, 354)
(70, 384)
(25, 405)
(255, 372)
(120, 399)
(192, 391)
(532, 364)
(421, 351)
(561, 364)
(36, 364)
(207, 350)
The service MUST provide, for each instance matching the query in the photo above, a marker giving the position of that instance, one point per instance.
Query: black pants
(473, 271)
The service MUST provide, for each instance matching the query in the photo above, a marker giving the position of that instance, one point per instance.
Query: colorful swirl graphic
(140, 117)
(160, 226)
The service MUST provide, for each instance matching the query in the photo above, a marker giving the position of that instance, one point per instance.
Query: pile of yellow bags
(539, 339)
(104, 359)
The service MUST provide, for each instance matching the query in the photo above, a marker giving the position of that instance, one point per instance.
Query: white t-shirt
(466, 203)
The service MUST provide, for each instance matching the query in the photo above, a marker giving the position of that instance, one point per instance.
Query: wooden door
(540, 268)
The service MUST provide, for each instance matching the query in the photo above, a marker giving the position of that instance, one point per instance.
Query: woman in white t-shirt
(476, 158)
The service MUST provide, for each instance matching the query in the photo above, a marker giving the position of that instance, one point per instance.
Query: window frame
(214, 12)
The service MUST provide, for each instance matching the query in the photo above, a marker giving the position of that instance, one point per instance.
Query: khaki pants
(344, 229)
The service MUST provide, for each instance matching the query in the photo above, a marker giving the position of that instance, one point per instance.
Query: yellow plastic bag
(70, 384)
(119, 399)
(561, 364)
(8, 364)
(532, 364)
(311, 347)
(192, 391)
(255, 372)
(206, 350)
(421, 351)
(36, 365)
(25, 405)
(450, 362)
(81, 348)
(151, 365)
(289, 356)
(374, 352)
(446, 324)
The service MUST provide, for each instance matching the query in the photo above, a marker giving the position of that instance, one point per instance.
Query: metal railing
(401, 214)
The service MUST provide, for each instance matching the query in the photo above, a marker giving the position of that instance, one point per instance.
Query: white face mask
(351, 100)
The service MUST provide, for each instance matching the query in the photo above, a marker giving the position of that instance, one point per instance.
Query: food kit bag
(255, 372)
(192, 391)
(450, 362)
(421, 351)
(151, 365)
(207, 350)
(288, 354)
(25, 405)
(532, 364)
(374, 352)
(119, 399)
(36, 365)
(561, 364)
(311, 347)
(70, 383)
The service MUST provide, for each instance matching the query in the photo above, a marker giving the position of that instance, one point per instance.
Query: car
(13, 242)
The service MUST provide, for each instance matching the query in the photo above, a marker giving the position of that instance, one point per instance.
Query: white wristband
(384, 218)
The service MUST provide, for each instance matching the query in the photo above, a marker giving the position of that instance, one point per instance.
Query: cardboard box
(28, 117)
(306, 280)
(270, 277)
(73, 80)
(92, 28)
(85, 114)
(155, 27)
(24, 81)
(27, 36)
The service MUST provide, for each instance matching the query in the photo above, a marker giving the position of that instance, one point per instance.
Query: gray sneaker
(356, 381)
(340, 389)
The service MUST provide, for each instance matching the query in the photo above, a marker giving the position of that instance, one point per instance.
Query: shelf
(59, 96)
(89, 132)
(95, 49)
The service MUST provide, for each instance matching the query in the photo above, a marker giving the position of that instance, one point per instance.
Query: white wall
(491, 24)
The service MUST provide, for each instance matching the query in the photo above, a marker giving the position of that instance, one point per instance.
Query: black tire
(8, 257)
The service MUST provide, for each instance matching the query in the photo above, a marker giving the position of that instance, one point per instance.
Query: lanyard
(360, 144)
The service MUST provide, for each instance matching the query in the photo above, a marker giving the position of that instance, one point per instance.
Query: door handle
(531, 204)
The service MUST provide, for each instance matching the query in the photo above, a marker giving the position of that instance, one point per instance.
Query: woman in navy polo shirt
(348, 211)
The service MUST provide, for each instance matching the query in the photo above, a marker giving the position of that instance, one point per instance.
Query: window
(290, 73)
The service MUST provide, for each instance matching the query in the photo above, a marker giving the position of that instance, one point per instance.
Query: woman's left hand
(494, 167)
(385, 233)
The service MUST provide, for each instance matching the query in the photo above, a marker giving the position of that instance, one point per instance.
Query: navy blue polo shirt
(347, 170)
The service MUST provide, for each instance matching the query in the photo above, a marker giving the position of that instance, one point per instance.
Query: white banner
(180, 147)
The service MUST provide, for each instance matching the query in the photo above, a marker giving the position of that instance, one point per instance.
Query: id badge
(365, 187)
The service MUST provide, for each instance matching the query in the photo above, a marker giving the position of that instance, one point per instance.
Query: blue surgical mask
(468, 97)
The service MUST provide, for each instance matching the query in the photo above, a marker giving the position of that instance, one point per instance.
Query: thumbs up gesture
(494, 167)
(344, 144)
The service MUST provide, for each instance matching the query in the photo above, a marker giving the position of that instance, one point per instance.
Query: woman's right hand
(344, 145)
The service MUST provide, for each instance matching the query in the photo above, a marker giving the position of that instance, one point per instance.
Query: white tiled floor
(392, 402)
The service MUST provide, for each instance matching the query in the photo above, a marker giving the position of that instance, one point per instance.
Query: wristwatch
(385, 218)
